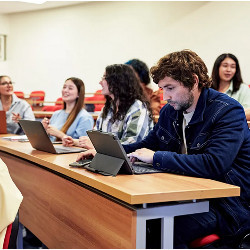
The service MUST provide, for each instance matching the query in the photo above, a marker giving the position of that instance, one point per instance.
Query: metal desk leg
(167, 232)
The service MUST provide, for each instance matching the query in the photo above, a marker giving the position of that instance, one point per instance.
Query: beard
(184, 104)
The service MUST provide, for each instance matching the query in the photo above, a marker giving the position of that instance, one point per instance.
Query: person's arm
(219, 150)
(83, 124)
(28, 113)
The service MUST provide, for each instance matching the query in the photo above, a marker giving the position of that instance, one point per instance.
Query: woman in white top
(226, 77)
(73, 119)
(15, 108)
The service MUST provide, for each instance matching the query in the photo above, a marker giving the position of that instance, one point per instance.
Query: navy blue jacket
(218, 146)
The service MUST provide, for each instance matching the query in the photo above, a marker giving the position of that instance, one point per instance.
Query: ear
(196, 81)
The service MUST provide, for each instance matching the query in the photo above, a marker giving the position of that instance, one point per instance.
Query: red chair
(19, 94)
(37, 97)
(11, 237)
(58, 105)
(204, 242)
(98, 97)
(7, 237)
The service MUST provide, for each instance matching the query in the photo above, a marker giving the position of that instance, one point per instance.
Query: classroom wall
(4, 30)
(46, 47)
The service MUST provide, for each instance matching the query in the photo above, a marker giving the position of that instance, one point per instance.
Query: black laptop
(111, 157)
(40, 140)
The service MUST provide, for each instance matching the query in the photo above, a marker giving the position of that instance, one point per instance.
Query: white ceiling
(8, 7)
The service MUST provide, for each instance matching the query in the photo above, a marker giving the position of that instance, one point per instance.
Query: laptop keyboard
(144, 168)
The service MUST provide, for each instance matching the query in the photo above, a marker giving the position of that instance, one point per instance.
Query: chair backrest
(37, 95)
(19, 94)
(7, 237)
(98, 97)
(59, 101)
(10, 239)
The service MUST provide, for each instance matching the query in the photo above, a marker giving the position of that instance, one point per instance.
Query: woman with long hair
(73, 119)
(14, 107)
(226, 77)
(126, 113)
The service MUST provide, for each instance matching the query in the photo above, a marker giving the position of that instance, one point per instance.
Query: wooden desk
(73, 208)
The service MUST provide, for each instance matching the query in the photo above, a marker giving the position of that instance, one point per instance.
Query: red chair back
(97, 97)
(7, 237)
(19, 94)
(204, 241)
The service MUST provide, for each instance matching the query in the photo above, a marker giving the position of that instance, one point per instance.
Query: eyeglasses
(6, 83)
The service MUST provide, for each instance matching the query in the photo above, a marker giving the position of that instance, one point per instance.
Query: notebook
(40, 140)
(3, 124)
(111, 157)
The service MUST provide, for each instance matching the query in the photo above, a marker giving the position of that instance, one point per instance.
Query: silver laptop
(111, 157)
(40, 140)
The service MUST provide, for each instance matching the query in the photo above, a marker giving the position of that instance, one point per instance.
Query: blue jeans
(190, 227)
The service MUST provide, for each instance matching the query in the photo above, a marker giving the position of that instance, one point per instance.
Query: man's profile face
(176, 94)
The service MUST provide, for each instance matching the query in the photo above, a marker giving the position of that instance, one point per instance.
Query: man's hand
(142, 154)
(89, 154)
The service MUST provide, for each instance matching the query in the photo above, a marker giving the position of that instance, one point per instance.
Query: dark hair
(237, 79)
(141, 69)
(79, 103)
(181, 66)
(124, 85)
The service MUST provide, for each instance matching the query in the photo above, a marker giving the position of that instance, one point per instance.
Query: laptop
(40, 140)
(3, 123)
(111, 157)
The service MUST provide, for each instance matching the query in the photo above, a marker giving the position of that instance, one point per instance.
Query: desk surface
(132, 189)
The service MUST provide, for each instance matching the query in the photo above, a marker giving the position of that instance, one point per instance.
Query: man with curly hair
(200, 133)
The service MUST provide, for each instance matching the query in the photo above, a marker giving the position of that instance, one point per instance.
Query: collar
(15, 99)
(230, 89)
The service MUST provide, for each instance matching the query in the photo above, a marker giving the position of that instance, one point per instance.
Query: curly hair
(79, 103)
(141, 69)
(181, 66)
(237, 79)
(124, 85)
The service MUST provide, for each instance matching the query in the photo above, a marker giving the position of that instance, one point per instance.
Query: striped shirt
(133, 128)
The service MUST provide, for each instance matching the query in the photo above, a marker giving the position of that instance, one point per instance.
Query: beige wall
(4, 30)
(46, 47)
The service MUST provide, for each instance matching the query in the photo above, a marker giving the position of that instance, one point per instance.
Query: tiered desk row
(73, 208)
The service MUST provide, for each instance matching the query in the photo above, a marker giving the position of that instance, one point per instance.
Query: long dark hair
(237, 79)
(124, 85)
(79, 103)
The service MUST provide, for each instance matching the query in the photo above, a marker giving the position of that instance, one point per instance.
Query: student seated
(226, 76)
(126, 113)
(73, 119)
(15, 108)
(202, 133)
(142, 72)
